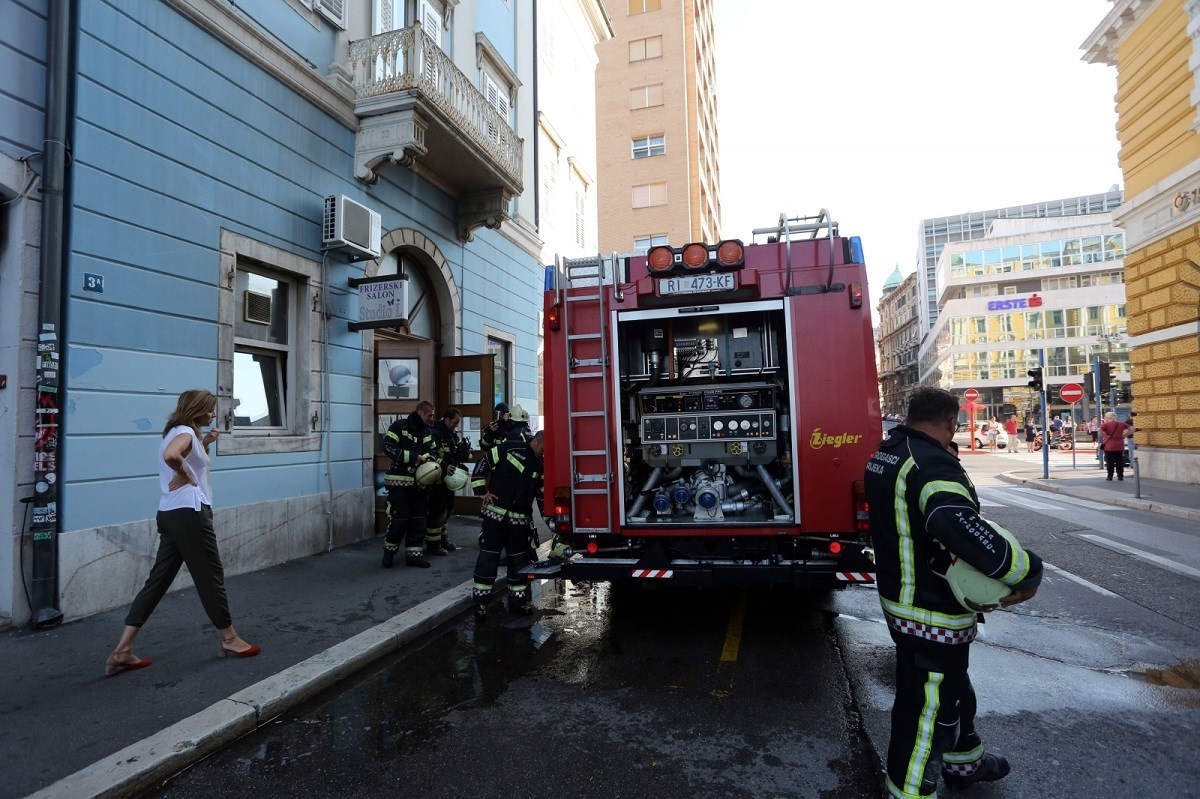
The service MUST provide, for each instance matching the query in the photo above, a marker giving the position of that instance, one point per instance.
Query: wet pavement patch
(1183, 675)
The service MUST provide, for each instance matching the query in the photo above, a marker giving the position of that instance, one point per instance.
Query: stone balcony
(415, 106)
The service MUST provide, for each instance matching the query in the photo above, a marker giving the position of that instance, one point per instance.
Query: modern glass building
(938, 232)
(1052, 284)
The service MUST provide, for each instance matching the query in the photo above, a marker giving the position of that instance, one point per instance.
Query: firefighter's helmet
(973, 589)
(456, 478)
(428, 473)
(519, 414)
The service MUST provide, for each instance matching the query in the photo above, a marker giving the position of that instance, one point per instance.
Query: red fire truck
(709, 410)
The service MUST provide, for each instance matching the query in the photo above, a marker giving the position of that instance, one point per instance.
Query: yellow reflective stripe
(969, 756)
(956, 621)
(947, 486)
(926, 724)
(907, 551)
(515, 461)
(1019, 569)
(392, 436)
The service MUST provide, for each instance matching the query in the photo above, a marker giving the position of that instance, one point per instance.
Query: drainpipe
(48, 432)
(537, 133)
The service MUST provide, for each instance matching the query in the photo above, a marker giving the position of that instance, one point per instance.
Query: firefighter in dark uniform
(509, 479)
(923, 510)
(499, 429)
(409, 443)
(451, 451)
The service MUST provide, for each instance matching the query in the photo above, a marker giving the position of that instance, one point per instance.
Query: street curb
(141, 766)
(1190, 514)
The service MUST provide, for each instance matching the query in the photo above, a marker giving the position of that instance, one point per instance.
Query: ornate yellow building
(1150, 42)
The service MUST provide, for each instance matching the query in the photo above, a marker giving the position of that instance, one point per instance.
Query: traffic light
(1105, 377)
(1035, 379)
(1089, 385)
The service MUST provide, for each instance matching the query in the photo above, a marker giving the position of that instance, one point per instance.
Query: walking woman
(185, 530)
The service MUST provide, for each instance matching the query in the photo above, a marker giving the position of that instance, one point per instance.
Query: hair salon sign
(382, 301)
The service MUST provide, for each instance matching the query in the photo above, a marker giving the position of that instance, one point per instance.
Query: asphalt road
(603, 694)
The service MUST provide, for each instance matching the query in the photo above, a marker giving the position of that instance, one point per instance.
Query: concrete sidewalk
(1087, 481)
(67, 731)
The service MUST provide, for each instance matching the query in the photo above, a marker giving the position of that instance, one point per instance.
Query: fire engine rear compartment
(706, 432)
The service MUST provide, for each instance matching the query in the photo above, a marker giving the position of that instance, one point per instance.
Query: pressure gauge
(745, 400)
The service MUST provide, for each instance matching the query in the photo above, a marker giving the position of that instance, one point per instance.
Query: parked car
(963, 436)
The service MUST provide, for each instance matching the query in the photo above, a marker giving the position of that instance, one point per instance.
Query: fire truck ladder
(587, 375)
(812, 225)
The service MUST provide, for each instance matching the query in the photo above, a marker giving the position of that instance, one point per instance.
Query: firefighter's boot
(518, 601)
(389, 557)
(988, 768)
(446, 545)
(480, 595)
(415, 557)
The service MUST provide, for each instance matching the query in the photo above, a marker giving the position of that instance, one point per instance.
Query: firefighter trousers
(407, 508)
(512, 537)
(441, 505)
(933, 717)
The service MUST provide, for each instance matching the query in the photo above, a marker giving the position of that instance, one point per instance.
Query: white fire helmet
(456, 479)
(518, 414)
(974, 590)
(428, 473)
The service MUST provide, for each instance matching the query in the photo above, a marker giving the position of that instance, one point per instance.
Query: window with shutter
(332, 10)
(498, 99)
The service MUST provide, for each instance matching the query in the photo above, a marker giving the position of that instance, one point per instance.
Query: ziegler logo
(820, 439)
(1034, 301)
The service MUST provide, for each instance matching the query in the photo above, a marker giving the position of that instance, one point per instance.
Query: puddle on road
(1183, 675)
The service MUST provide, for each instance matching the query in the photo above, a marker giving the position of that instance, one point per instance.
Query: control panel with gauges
(732, 423)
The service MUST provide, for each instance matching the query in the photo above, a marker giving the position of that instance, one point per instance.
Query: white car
(963, 436)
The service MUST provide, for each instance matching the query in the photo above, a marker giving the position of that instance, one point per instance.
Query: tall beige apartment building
(656, 126)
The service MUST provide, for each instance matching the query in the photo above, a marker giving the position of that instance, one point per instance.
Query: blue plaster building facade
(204, 138)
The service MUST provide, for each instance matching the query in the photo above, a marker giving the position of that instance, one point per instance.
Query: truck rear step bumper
(708, 573)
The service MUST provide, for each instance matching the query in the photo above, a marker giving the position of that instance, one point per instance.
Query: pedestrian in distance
(409, 443)
(993, 433)
(508, 478)
(924, 513)
(185, 533)
(451, 451)
(1094, 429)
(1030, 434)
(1112, 434)
(1010, 427)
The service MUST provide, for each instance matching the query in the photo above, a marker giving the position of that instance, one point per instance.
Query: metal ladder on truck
(585, 378)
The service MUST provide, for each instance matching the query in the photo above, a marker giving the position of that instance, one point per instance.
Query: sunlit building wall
(1053, 284)
(898, 337)
(1157, 55)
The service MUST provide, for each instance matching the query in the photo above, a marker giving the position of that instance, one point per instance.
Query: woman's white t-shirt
(196, 465)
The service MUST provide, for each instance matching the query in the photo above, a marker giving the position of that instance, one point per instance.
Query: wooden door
(465, 381)
(404, 375)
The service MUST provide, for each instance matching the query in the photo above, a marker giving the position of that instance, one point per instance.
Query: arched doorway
(420, 361)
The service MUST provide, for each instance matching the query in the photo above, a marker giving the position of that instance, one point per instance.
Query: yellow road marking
(733, 634)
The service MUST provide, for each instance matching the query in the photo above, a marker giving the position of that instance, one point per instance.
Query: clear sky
(889, 112)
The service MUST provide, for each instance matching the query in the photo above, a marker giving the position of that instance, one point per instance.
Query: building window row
(1095, 320)
(1044, 255)
(968, 367)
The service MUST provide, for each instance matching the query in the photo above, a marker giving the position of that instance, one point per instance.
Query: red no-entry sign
(970, 395)
(1070, 392)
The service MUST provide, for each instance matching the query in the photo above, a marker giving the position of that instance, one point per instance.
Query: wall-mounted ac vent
(256, 307)
(332, 10)
(350, 226)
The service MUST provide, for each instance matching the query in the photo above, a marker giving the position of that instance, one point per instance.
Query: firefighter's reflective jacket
(923, 508)
(512, 473)
(405, 442)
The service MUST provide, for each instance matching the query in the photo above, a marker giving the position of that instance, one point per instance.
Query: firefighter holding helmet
(451, 451)
(924, 517)
(509, 480)
(409, 443)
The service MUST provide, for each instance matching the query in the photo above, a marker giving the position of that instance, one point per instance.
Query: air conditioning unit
(350, 226)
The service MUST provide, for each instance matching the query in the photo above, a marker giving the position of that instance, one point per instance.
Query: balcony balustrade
(415, 106)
